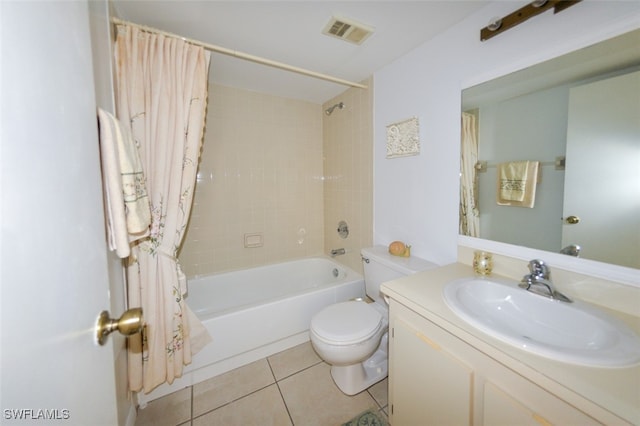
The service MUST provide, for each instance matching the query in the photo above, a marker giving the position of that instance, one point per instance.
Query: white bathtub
(254, 313)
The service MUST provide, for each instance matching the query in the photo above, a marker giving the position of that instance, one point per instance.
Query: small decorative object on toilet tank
(482, 263)
(398, 248)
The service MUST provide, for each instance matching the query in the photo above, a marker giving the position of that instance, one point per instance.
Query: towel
(126, 201)
(517, 183)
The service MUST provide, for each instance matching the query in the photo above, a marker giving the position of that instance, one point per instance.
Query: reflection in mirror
(550, 155)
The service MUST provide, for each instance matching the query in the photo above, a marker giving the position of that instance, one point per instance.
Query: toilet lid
(346, 323)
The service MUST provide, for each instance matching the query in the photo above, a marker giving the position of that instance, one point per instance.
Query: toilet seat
(346, 323)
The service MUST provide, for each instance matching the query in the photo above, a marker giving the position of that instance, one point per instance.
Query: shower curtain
(162, 95)
(469, 212)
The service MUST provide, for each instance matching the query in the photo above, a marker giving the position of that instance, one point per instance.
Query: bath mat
(368, 418)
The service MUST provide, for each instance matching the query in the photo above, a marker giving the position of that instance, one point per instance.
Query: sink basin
(569, 332)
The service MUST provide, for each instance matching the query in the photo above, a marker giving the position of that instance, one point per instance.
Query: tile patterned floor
(293, 387)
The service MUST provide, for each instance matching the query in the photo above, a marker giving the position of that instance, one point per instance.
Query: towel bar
(559, 164)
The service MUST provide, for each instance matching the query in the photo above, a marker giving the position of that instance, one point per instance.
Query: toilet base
(353, 379)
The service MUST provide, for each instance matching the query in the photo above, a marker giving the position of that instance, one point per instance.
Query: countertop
(599, 392)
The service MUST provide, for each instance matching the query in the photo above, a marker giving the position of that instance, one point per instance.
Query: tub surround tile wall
(348, 173)
(283, 169)
(260, 172)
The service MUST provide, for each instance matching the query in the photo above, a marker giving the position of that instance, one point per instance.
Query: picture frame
(403, 138)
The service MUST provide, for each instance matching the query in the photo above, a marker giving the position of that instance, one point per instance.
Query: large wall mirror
(551, 155)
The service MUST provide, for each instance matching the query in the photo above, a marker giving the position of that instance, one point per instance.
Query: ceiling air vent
(348, 30)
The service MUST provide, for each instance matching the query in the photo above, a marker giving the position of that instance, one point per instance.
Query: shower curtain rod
(245, 56)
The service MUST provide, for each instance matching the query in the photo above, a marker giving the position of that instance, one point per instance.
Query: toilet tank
(380, 267)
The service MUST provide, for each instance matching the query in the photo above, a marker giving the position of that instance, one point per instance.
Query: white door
(602, 178)
(53, 256)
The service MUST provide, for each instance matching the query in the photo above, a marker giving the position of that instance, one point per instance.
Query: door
(604, 129)
(54, 276)
(430, 385)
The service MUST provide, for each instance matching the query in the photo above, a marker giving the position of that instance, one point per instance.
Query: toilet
(352, 336)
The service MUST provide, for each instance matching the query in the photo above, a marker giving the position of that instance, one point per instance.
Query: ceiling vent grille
(348, 30)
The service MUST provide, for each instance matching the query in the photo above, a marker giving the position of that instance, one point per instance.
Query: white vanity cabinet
(435, 378)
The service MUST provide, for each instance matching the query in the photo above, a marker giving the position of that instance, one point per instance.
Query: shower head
(340, 105)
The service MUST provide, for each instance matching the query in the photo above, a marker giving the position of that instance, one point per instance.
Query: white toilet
(352, 336)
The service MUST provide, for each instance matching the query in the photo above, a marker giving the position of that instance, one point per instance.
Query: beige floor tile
(228, 387)
(264, 408)
(313, 399)
(380, 392)
(293, 360)
(169, 410)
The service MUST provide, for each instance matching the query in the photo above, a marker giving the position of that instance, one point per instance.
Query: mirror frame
(606, 271)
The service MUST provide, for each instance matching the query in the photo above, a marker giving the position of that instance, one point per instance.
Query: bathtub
(255, 313)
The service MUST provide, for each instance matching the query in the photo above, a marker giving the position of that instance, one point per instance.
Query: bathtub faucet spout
(337, 252)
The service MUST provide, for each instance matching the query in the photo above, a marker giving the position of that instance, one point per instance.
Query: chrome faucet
(337, 252)
(571, 250)
(538, 281)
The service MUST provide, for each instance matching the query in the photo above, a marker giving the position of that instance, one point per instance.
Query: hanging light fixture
(494, 23)
(497, 25)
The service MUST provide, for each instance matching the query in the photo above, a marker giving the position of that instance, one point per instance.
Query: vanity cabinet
(435, 378)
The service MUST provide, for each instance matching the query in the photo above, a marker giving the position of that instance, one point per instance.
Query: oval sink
(570, 332)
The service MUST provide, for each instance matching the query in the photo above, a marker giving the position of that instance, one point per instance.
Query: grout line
(299, 371)
(191, 413)
(284, 401)
(236, 400)
(275, 380)
(374, 398)
(286, 377)
(382, 410)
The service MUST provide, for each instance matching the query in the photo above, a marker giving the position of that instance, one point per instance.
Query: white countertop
(610, 390)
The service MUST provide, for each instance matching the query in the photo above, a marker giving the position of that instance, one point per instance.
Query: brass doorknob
(129, 323)
(572, 220)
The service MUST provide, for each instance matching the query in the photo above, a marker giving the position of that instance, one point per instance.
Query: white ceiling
(290, 32)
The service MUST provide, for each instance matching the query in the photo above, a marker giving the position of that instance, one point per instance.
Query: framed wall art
(403, 139)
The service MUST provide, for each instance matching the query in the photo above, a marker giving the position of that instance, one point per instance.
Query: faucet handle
(539, 269)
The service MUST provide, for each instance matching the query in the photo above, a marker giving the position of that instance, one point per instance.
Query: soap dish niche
(253, 240)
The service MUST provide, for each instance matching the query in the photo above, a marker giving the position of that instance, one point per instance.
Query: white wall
(416, 198)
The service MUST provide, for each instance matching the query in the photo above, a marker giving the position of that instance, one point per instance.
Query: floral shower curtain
(162, 96)
(469, 212)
